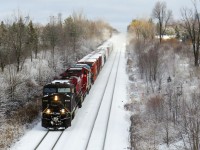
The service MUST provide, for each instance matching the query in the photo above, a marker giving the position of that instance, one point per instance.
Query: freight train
(65, 94)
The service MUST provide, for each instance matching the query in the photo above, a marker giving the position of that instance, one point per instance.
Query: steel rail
(102, 97)
(38, 145)
(41, 140)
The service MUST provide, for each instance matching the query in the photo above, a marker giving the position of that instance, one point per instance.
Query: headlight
(48, 111)
(56, 98)
(62, 111)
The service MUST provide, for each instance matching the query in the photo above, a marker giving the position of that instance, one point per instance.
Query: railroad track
(96, 123)
(90, 135)
(49, 140)
(101, 121)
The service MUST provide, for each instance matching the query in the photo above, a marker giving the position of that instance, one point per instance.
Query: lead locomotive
(59, 104)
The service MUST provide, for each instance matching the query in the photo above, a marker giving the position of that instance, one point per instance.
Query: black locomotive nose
(55, 120)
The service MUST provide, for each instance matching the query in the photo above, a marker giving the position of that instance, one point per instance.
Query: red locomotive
(93, 65)
(85, 76)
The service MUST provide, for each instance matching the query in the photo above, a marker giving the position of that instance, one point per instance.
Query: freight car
(98, 57)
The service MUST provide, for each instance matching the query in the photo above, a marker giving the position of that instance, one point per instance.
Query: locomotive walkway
(101, 123)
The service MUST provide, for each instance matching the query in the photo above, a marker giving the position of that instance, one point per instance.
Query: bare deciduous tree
(148, 62)
(163, 16)
(3, 46)
(74, 32)
(32, 40)
(142, 29)
(191, 122)
(18, 41)
(191, 23)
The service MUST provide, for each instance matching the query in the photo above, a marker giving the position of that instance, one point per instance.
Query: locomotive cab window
(49, 90)
(63, 90)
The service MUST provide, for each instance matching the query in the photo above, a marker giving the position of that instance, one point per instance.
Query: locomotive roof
(60, 83)
(75, 68)
(97, 55)
(82, 65)
(92, 60)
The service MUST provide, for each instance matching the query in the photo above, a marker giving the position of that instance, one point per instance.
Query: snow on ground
(119, 121)
(75, 137)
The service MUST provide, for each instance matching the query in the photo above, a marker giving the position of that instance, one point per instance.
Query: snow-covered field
(76, 136)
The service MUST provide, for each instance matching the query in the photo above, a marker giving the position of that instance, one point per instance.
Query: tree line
(20, 38)
(186, 29)
(167, 112)
(61, 44)
(31, 55)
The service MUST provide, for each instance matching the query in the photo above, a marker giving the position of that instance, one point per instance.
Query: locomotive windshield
(74, 72)
(49, 90)
(55, 90)
(90, 64)
(63, 90)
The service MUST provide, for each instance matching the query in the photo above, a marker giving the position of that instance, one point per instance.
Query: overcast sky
(118, 13)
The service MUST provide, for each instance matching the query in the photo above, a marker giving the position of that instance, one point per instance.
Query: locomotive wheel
(88, 91)
(65, 124)
(80, 104)
(69, 122)
(73, 115)
(82, 98)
